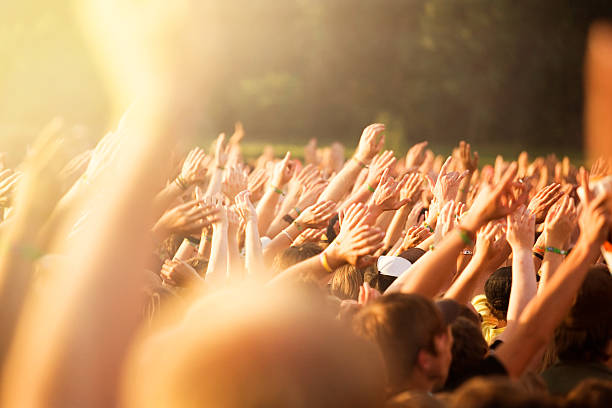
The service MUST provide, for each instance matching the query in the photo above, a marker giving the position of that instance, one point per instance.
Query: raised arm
(254, 256)
(371, 142)
(539, 320)
(520, 233)
(266, 208)
(434, 269)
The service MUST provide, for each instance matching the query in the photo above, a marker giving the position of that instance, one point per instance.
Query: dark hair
(451, 310)
(498, 392)
(401, 325)
(296, 254)
(497, 291)
(590, 393)
(469, 349)
(585, 332)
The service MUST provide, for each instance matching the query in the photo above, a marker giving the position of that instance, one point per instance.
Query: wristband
(298, 211)
(362, 164)
(556, 250)
(221, 167)
(288, 218)
(539, 250)
(428, 227)
(372, 189)
(299, 226)
(467, 252)
(538, 255)
(432, 247)
(465, 236)
(324, 262)
(277, 190)
(29, 252)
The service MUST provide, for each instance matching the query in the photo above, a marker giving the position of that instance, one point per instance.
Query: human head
(348, 279)
(414, 341)
(269, 347)
(498, 392)
(584, 335)
(497, 291)
(590, 393)
(296, 254)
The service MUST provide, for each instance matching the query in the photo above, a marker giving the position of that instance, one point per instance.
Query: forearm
(465, 285)
(312, 267)
(205, 244)
(279, 243)
(216, 272)
(464, 188)
(265, 210)
(394, 232)
(342, 183)
(165, 197)
(254, 255)
(524, 284)
(235, 268)
(544, 313)
(279, 224)
(549, 266)
(214, 186)
(362, 195)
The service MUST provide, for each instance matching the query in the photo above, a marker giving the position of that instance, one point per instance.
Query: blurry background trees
(497, 73)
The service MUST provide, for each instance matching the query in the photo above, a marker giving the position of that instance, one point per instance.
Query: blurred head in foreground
(253, 348)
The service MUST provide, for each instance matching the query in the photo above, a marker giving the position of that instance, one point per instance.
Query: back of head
(295, 254)
(497, 291)
(585, 332)
(590, 393)
(498, 392)
(256, 348)
(469, 349)
(401, 325)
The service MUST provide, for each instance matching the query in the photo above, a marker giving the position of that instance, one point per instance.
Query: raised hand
(412, 188)
(195, 167)
(560, 222)
(311, 193)
(283, 171)
(256, 183)
(387, 194)
(491, 245)
(302, 179)
(447, 185)
(8, 183)
(520, 231)
(245, 208)
(221, 151)
(187, 218)
(234, 181)
(414, 236)
(596, 220)
(309, 235)
(467, 161)
(310, 153)
(180, 273)
(317, 215)
(371, 142)
(446, 221)
(238, 134)
(380, 163)
(496, 202)
(543, 200)
(416, 155)
(356, 241)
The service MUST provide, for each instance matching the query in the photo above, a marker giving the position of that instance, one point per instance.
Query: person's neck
(417, 382)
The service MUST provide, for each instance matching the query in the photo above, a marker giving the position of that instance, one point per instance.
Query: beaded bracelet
(556, 250)
(372, 189)
(428, 227)
(298, 211)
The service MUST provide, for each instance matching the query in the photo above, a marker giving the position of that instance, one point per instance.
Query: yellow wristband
(324, 262)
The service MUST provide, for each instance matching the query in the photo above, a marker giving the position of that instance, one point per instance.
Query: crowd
(371, 279)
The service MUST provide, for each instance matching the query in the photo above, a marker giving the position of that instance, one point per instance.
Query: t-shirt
(562, 377)
(489, 325)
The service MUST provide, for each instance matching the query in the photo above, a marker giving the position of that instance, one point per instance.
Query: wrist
(334, 259)
(470, 223)
(521, 249)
